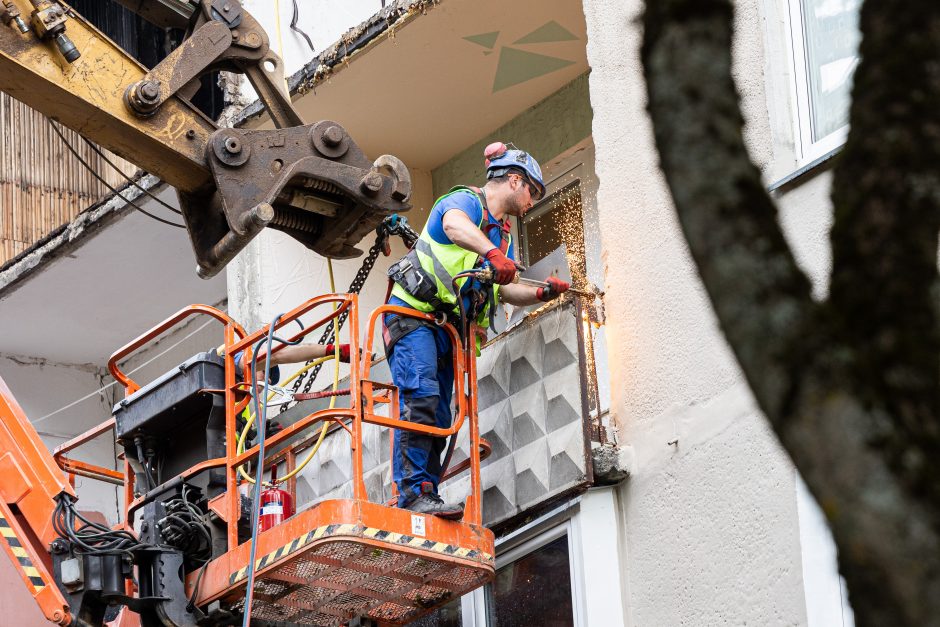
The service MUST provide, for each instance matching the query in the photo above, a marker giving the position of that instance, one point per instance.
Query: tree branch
(761, 296)
(801, 362)
(886, 196)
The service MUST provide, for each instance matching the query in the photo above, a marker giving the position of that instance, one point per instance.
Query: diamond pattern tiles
(530, 413)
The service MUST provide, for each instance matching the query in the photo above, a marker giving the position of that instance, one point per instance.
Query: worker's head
(519, 171)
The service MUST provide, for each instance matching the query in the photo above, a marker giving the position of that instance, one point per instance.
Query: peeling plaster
(355, 41)
(63, 240)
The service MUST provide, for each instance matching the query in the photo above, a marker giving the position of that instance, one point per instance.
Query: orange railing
(366, 398)
(465, 376)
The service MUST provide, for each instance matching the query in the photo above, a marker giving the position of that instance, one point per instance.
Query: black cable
(464, 336)
(261, 408)
(127, 178)
(296, 29)
(99, 540)
(108, 185)
(191, 606)
(138, 442)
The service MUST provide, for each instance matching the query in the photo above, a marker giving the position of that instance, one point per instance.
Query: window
(534, 589)
(556, 221)
(825, 37)
(535, 585)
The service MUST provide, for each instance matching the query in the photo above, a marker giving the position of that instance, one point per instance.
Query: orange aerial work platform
(331, 562)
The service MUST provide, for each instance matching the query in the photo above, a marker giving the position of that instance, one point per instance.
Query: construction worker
(468, 227)
(289, 354)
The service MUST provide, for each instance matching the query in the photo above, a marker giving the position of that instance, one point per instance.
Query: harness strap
(487, 226)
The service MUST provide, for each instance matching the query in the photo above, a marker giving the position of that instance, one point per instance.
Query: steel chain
(328, 338)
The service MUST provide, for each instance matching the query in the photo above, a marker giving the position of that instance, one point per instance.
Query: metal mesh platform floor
(339, 579)
(345, 558)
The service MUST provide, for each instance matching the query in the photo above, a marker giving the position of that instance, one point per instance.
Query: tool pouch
(397, 327)
(408, 273)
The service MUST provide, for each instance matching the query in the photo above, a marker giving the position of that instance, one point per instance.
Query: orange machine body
(324, 565)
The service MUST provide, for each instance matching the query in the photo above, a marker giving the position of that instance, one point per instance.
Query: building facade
(632, 479)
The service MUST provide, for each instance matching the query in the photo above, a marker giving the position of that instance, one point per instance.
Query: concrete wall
(323, 20)
(712, 523)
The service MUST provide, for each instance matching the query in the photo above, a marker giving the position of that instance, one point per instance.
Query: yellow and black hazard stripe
(25, 563)
(428, 545)
(292, 547)
(376, 534)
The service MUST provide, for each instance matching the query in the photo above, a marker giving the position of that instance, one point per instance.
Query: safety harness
(421, 285)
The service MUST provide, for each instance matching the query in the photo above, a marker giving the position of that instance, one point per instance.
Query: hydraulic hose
(261, 408)
(243, 436)
(335, 358)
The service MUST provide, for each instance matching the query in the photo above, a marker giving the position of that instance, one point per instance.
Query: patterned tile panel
(530, 412)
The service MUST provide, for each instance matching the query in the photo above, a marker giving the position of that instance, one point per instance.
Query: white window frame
(473, 605)
(807, 150)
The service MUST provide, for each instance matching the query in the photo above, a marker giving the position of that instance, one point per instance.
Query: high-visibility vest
(443, 261)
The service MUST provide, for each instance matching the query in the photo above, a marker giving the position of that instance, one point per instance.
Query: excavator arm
(310, 181)
(187, 561)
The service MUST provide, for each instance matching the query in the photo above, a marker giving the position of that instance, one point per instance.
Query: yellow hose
(243, 436)
(335, 356)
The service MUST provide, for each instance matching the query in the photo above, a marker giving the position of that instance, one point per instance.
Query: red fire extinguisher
(276, 507)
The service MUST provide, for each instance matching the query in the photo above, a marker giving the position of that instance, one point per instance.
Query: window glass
(556, 221)
(831, 36)
(533, 590)
(446, 616)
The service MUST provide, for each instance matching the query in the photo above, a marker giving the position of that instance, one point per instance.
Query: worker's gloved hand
(556, 287)
(343, 352)
(504, 270)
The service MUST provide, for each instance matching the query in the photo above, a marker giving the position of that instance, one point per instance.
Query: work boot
(430, 503)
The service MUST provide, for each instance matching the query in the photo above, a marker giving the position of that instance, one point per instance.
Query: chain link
(393, 226)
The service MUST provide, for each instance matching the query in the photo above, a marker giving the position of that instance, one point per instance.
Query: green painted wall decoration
(487, 40)
(518, 66)
(545, 130)
(547, 33)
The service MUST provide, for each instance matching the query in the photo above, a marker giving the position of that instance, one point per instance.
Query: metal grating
(335, 581)
(429, 596)
(459, 578)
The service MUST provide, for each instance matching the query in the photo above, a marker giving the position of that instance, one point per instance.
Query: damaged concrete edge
(71, 235)
(354, 42)
(612, 463)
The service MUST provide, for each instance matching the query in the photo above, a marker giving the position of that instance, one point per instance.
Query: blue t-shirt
(469, 203)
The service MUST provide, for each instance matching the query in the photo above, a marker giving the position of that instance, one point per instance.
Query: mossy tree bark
(851, 385)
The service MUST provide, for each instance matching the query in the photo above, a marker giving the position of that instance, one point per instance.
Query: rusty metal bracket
(313, 183)
(179, 68)
(224, 37)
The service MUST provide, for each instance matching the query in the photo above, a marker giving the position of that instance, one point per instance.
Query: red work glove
(504, 270)
(343, 352)
(556, 287)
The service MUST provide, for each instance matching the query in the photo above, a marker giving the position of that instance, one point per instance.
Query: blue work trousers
(422, 365)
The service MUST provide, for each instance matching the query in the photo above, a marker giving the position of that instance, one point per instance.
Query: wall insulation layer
(42, 184)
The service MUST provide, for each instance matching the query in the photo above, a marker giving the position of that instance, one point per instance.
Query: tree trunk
(852, 385)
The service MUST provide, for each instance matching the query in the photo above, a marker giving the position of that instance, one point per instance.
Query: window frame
(807, 150)
(561, 521)
(559, 182)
